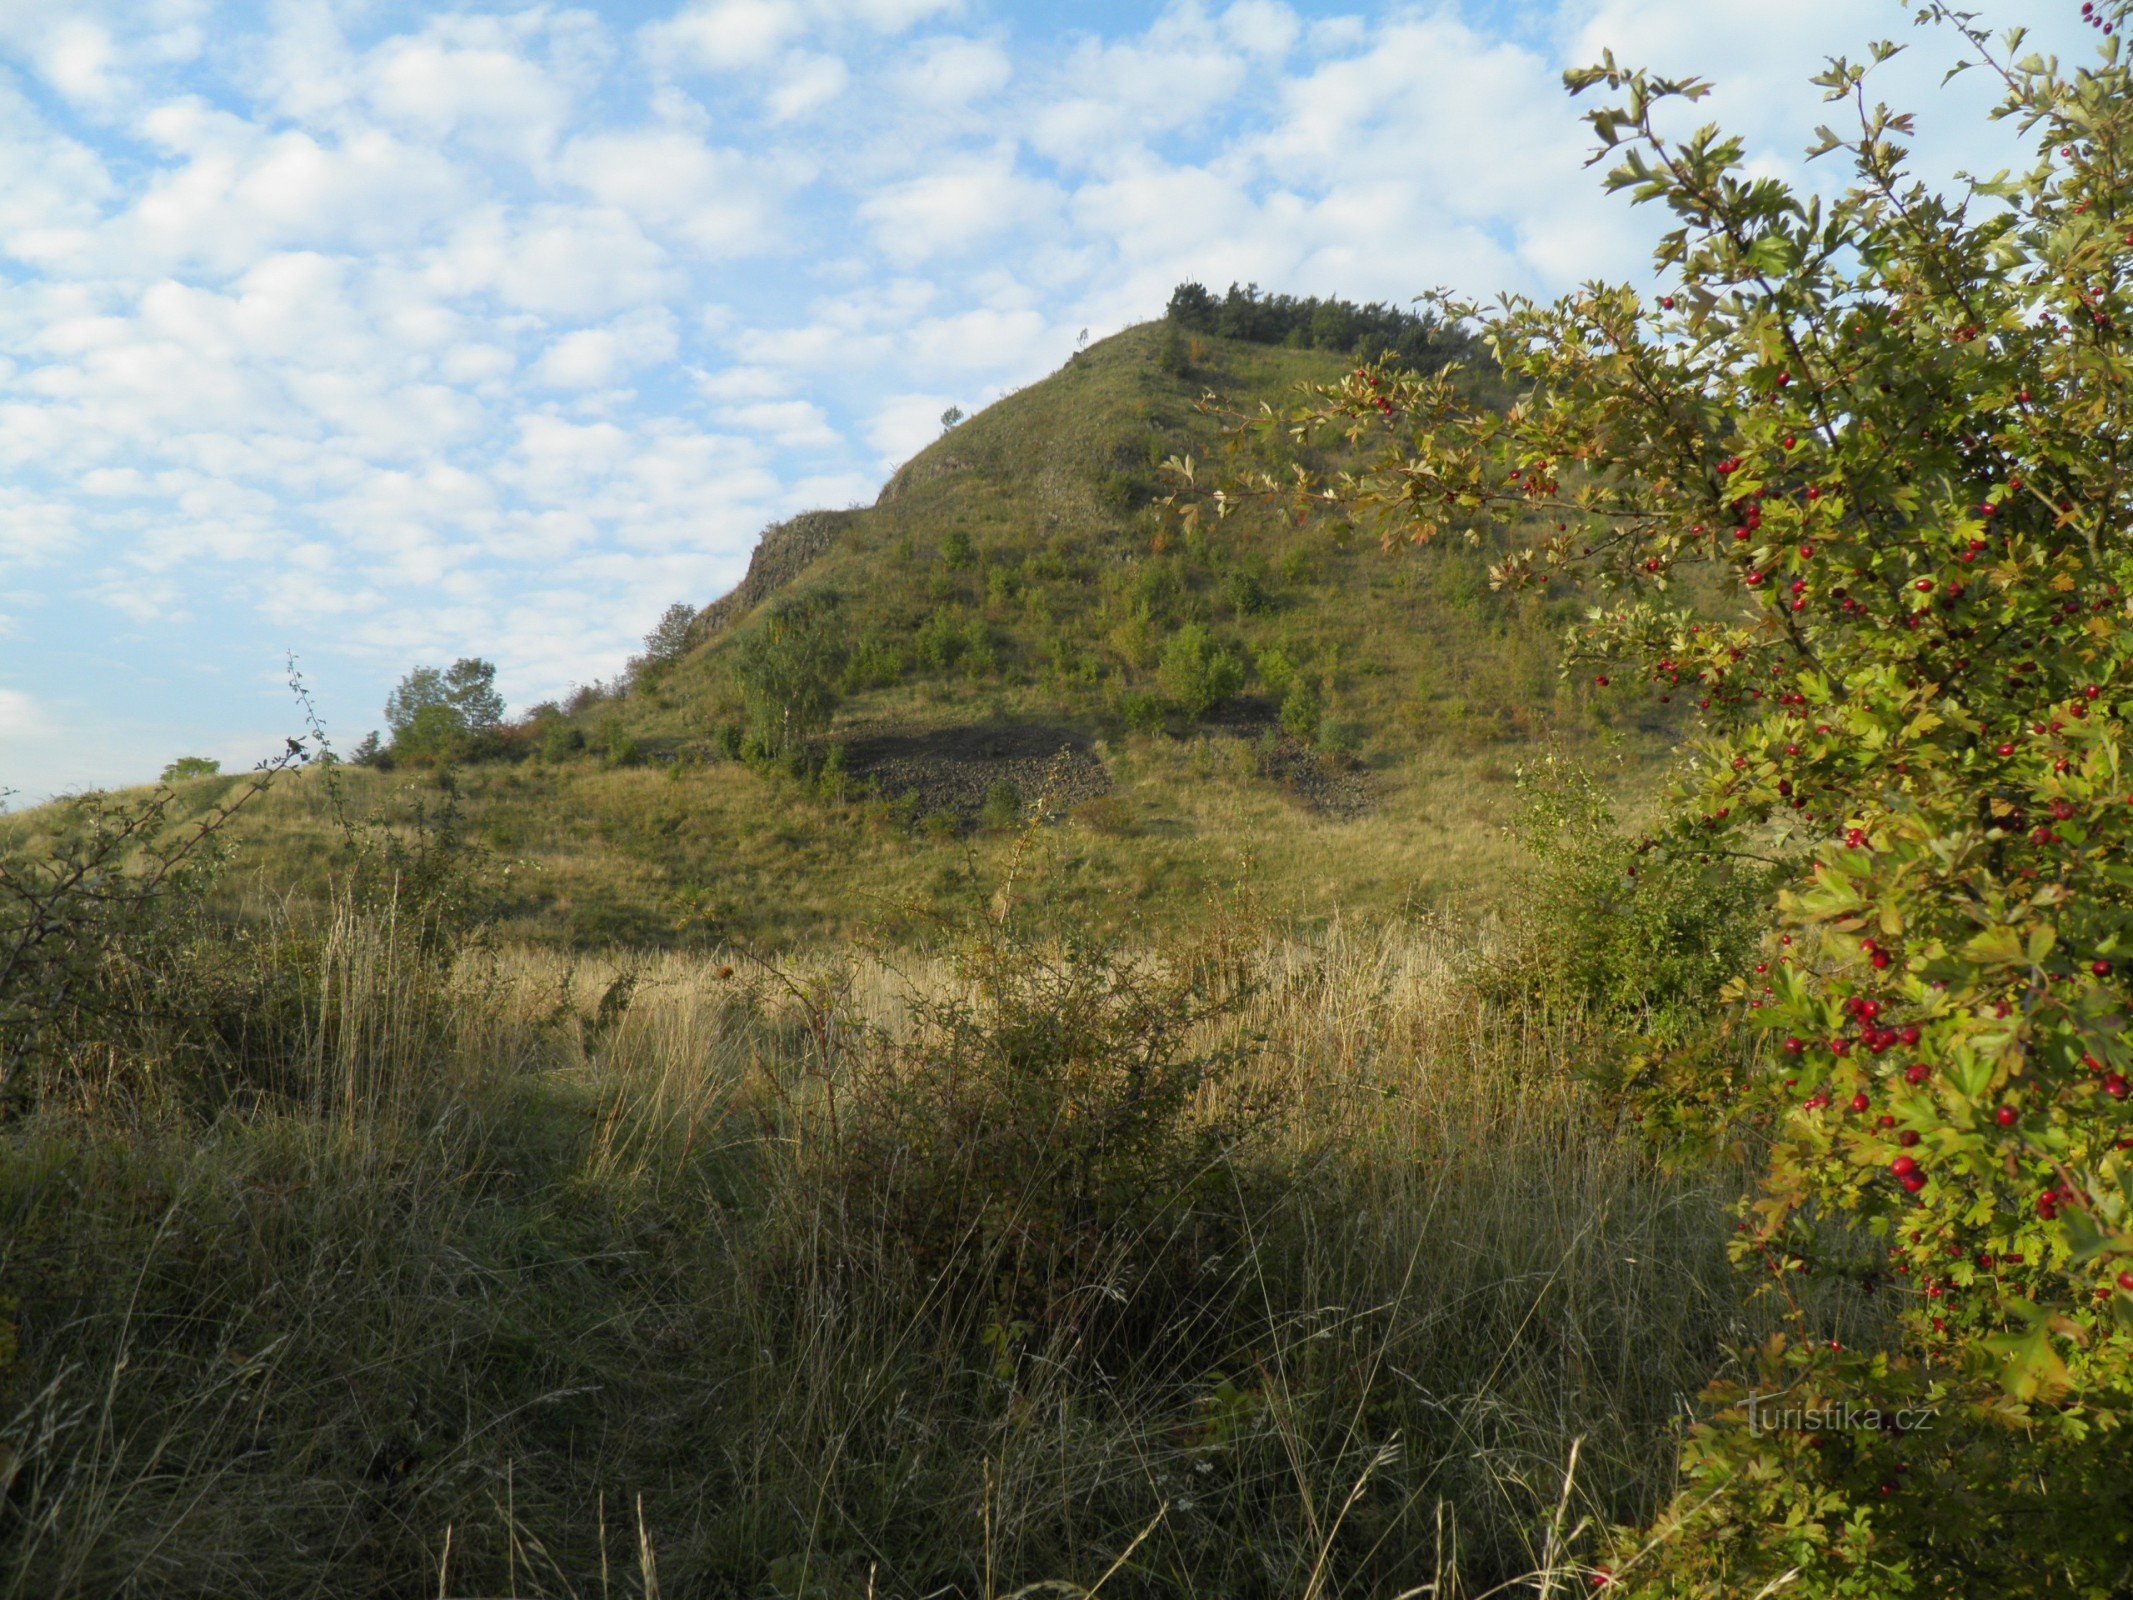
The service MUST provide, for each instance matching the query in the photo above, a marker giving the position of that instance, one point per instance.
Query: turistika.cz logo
(1769, 1413)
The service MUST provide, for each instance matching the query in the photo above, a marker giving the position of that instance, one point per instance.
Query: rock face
(786, 550)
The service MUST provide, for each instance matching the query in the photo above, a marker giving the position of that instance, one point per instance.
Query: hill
(1016, 617)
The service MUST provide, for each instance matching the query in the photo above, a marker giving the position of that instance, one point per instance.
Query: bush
(443, 716)
(1003, 807)
(1636, 942)
(561, 740)
(1198, 671)
(190, 767)
(951, 638)
(101, 913)
(1881, 429)
(1301, 710)
(666, 644)
(1041, 1141)
(1246, 588)
(1141, 710)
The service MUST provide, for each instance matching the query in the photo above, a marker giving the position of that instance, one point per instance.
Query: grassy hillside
(1008, 620)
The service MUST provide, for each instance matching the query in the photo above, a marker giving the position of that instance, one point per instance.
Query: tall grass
(519, 1275)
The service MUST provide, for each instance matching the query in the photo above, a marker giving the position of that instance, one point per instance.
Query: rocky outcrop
(785, 550)
(921, 468)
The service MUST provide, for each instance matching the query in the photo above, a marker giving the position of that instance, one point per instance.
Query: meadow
(1255, 1261)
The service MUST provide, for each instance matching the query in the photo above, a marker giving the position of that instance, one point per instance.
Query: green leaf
(1995, 947)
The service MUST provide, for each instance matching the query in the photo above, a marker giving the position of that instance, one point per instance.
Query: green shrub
(1003, 807)
(435, 734)
(952, 638)
(1042, 1140)
(1635, 940)
(618, 745)
(560, 740)
(442, 716)
(1301, 710)
(1881, 429)
(1246, 588)
(1141, 710)
(956, 550)
(1199, 672)
(190, 767)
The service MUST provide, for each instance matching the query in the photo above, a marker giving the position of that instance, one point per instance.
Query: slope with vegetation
(860, 725)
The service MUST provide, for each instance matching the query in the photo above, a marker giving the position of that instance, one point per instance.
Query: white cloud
(807, 83)
(904, 425)
(469, 80)
(556, 260)
(1262, 27)
(726, 35)
(792, 424)
(671, 181)
(20, 716)
(596, 358)
(948, 210)
(950, 71)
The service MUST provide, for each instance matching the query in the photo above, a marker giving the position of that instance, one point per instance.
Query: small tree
(190, 767)
(437, 715)
(788, 670)
(1192, 308)
(669, 637)
(470, 688)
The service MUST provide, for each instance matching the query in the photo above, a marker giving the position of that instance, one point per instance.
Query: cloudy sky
(387, 332)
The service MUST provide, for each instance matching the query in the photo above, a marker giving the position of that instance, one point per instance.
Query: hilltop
(1016, 618)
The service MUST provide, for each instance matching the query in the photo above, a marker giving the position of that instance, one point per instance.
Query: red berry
(1903, 1166)
(1859, 1102)
(2102, 969)
(2006, 1116)
(1907, 1138)
(1913, 1182)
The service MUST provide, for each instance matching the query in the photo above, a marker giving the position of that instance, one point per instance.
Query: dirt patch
(1316, 782)
(954, 770)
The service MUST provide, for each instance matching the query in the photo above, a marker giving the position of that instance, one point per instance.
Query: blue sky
(386, 333)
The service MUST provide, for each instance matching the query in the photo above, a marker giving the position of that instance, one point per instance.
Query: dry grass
(528, 1283)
